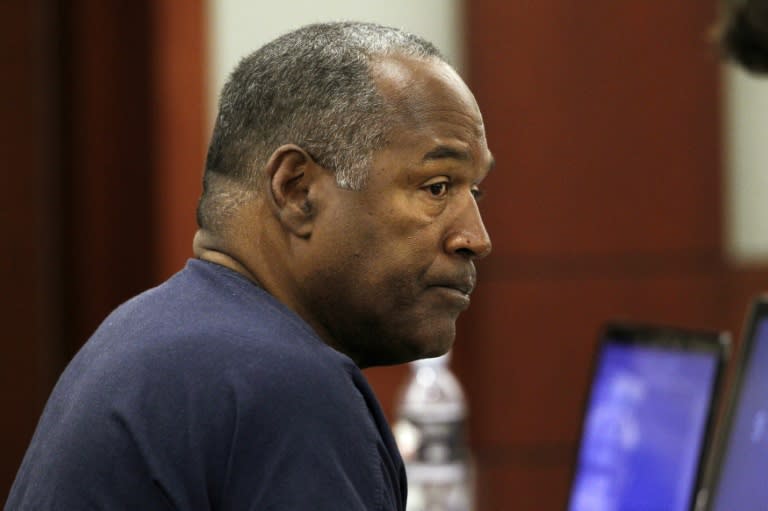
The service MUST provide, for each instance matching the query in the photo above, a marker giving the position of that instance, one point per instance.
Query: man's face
(394, 265)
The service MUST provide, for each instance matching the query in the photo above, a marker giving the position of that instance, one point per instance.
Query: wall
(607, 203)
(745, 123)
(26, 271)
(237, 27)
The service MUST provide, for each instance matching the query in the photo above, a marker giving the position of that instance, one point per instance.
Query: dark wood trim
(28, 151)
(179, 120)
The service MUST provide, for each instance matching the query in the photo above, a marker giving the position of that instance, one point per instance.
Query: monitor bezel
(667, 337)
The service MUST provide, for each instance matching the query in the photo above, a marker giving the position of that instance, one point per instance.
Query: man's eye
(477, 193)
(438, 189)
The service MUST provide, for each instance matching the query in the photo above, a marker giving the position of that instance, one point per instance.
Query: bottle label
(430, 442)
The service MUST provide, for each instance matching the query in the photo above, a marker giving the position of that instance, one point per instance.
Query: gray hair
(312, 87)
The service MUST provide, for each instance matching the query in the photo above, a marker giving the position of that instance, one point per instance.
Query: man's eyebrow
(446, 152)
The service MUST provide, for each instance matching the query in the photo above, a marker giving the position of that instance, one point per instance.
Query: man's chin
(414, 349)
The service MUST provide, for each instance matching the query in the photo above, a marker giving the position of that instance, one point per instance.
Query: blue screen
(743, 481)
(644, 430)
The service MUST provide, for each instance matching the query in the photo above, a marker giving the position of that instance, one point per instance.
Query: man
(744, 34)
(338, 230)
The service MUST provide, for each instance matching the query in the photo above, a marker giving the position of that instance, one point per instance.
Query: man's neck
(207, 248)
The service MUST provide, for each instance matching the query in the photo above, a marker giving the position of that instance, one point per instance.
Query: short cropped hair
(312, 87)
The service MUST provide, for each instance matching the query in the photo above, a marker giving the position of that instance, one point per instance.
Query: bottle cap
(441, 361)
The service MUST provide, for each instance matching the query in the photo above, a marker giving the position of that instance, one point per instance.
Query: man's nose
(468, 236)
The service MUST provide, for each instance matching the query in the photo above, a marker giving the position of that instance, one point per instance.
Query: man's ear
(292, 174)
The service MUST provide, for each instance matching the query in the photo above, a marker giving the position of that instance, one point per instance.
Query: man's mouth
(456, 290)
(464, 284)
(461, 287)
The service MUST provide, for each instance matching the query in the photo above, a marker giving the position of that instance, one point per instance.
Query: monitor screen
(644, 429)
(742, 484)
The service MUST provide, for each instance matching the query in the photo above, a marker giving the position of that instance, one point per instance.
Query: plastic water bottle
(431, 434)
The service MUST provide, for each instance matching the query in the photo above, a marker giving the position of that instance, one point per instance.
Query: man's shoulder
(201, 294)
(228, 349)
(210, 321)
(210, 308)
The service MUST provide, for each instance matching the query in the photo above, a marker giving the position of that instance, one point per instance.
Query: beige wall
(745, 132)
(237, 27)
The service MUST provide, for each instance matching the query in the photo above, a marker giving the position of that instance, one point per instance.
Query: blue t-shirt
(206, 393)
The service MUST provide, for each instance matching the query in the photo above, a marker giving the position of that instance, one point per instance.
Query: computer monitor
(647, 419)
(740, 481)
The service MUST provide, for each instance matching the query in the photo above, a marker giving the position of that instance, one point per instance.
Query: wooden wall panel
(387, 383)
(106, 111)
(530, 356)
(106, 170)
(605, 203)
(179, 67)
(28, 150)
(589, 108)
(511, 481)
